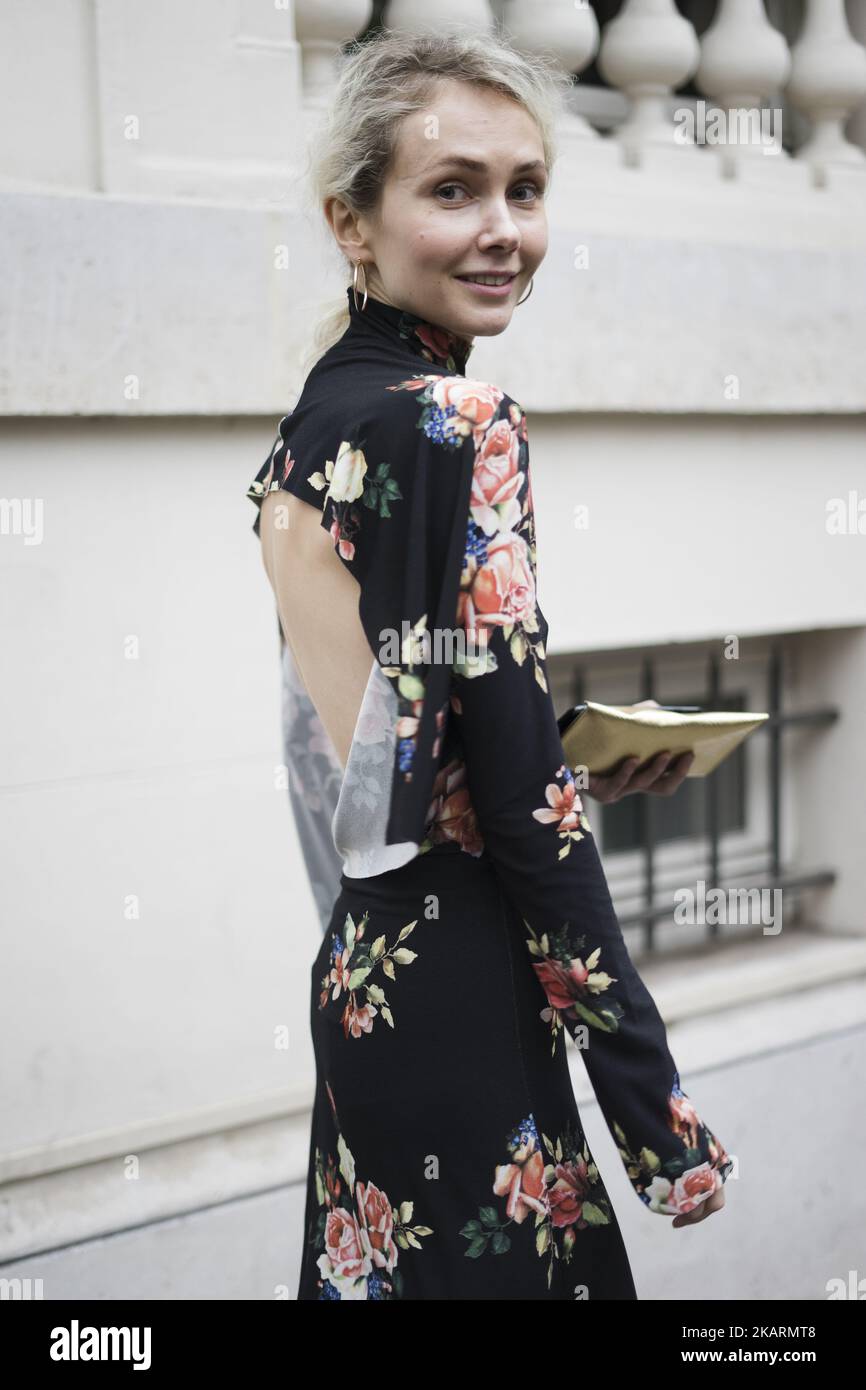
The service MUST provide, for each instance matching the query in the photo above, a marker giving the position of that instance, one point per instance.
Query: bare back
(317, 600)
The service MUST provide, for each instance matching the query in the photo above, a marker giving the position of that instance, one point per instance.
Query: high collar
(439, 345)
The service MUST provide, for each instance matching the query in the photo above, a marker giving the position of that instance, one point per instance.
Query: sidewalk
(780, 1080)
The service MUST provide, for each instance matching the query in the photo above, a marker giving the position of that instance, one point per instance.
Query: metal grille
(710, 861)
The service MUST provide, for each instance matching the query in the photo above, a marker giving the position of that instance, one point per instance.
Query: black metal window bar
(772, 874)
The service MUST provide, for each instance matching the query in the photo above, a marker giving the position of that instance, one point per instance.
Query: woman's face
(440, 221)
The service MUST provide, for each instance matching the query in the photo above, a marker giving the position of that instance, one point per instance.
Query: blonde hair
(384, 79)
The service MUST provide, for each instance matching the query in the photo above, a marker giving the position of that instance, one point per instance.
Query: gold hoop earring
(359, 266)
(526, 296)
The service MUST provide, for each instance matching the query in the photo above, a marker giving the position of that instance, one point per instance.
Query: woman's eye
(446, 186)
(533, 188)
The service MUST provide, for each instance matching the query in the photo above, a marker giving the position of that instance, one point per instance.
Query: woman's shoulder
(451, 410)
(379, 378)
(390, 418)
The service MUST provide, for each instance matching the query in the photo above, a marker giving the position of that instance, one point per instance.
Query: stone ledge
(98, 1199)
(134, 307)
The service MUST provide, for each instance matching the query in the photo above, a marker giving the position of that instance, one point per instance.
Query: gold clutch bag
(598, 737)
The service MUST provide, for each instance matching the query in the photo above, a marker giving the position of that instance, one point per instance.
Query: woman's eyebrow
(464, 162)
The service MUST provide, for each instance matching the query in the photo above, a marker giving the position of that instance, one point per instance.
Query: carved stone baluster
(321, 31)
(856, 127)
(560, 29)
(743, 60)
(647, 51)
(828, 82)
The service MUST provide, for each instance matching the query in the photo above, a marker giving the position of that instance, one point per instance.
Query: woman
(473, 926)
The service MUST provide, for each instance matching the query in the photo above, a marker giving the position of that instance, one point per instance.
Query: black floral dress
(473, 927)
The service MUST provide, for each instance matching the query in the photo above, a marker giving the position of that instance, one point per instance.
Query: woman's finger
(606, 787)
(700, 1213)
(674, 776)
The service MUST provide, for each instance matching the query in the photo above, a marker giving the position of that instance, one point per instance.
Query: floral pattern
(497, 587)
(558, 1198)
(439, 345)
(573, 986)
(358, 1230)
(452, 818)
(347, 480)
(270, 482)
(681, 1183)
(352, 962)
(428, 500)
(564, 809)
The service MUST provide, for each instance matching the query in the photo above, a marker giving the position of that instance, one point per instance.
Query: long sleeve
(532, 822)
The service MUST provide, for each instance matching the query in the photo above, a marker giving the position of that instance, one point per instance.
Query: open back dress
(471, 927)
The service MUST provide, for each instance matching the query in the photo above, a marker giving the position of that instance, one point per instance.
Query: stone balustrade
(158, 182)
(742, 64)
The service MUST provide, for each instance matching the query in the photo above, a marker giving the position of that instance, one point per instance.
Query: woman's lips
(490, 291)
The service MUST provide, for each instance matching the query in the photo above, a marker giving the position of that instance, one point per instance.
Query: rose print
(440, 344)
(689, 1190)
(497, 480)
(563, 1196)
(522, 1180)
(451, 816)
(469, 405)
(378, 1219)
(346, 480)
(566, 1196)
(502, 589)
(345, 1262)
(573, 986)
(352, 961)
(345, 475)
(498, 583)
(358, 1231)
(680, 1183)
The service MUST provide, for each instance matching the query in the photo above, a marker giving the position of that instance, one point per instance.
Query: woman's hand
(701, 1212)
(662, 775)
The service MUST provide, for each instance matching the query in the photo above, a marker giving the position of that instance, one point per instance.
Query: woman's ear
(345, 225)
